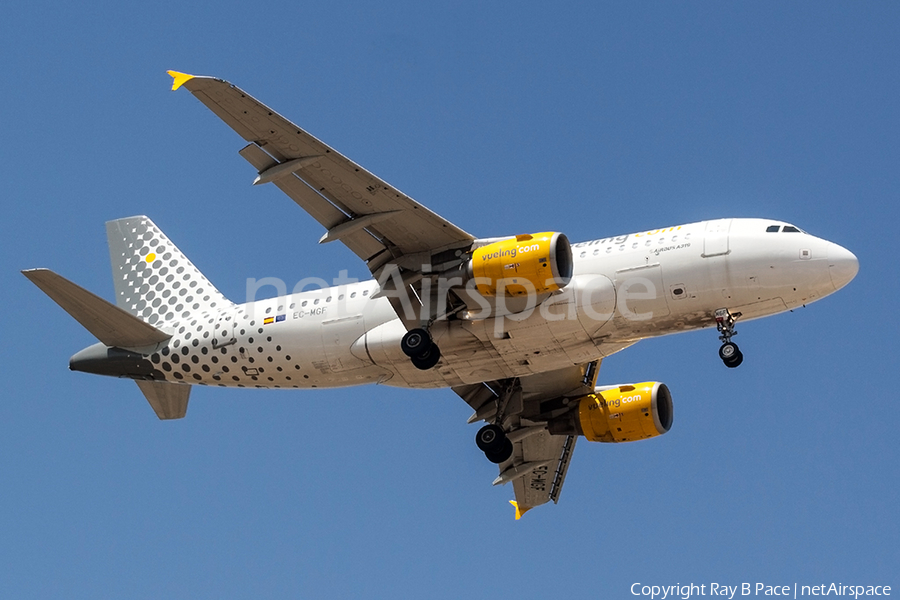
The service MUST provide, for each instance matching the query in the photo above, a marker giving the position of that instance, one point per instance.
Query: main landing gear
(729, 351)
(492, 440)
(420, 348)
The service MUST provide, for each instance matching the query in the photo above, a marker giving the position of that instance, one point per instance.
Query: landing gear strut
(729, 351)
(421, 350)
(506, 402)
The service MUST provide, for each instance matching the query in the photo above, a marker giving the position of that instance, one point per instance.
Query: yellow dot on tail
(151, 257)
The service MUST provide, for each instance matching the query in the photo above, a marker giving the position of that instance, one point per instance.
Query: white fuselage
(624, 288)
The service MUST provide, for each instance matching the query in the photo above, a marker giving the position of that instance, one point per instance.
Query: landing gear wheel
(416, 343)
(731, 355)
(427, 360)
(735, 360)
(728, 351)
(490, 438)
(502, 454)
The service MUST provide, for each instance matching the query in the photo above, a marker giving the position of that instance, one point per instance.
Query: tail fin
(153, 279)
(119, 329)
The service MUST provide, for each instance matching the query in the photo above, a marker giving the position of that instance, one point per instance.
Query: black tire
(415, 343)
(428, 360)
(728, 351)
(502, 454)
(735, 361)
(490, 438)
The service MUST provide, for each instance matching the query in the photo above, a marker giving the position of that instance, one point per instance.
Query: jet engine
(530, 263)
(622, 413)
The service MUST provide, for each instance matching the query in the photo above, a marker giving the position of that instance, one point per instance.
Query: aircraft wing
(550, 456)
(378, 222)
(539, 462)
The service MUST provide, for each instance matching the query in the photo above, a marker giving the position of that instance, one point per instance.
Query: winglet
(519, 512)
(179, 79)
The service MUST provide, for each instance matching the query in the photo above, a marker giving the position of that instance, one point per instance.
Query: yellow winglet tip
(179, 79)
(519, 512)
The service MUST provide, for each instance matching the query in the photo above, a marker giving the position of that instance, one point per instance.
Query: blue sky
(590, 118)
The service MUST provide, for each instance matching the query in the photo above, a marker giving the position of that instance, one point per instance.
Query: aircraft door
(715, 239)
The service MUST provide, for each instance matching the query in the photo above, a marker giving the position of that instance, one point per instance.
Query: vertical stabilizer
(153, 279)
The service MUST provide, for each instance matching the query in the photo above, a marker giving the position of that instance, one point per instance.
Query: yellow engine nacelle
(623, 413)
(535, 263)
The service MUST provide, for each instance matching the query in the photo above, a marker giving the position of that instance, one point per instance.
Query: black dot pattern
(266, 363)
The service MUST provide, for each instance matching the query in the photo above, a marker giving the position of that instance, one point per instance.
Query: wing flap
(323, 211)
(551, 454)
(319, 208)
(329, 216)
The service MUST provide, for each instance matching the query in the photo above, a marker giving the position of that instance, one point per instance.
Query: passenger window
(772, 228)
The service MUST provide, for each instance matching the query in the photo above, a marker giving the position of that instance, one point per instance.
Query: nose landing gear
(729, 351)
(420, 348)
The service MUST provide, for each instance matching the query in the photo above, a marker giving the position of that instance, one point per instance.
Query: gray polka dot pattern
(153, 279)
(214, 342)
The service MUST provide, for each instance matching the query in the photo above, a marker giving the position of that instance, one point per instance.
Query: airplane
(516, 325)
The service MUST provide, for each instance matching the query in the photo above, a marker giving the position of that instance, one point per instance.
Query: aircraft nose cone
(842, 265)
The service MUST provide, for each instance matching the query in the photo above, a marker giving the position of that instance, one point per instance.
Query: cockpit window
(790, 229)
(773, 228)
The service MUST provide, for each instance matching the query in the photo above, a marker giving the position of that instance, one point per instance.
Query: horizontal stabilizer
(109, 323)
(169, 400)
